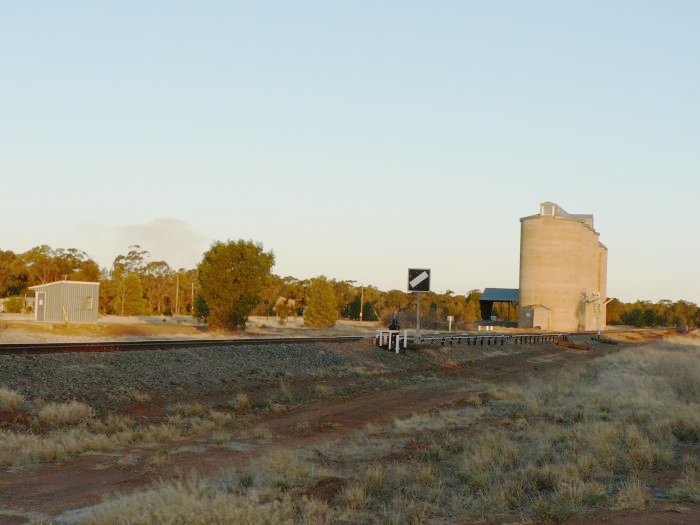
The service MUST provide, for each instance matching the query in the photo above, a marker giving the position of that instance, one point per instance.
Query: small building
(534, 316)
(499, 305)
(66, 302)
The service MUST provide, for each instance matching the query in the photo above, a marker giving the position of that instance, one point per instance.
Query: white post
(362, 301)
(418, 315)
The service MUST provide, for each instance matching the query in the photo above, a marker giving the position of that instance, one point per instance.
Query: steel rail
(162, 344)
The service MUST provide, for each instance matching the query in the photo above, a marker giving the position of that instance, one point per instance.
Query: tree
(13, 274)
(156, 281)
(321, 304)
(130, 299)
(201, 308)
(232, 277)
(282, 310)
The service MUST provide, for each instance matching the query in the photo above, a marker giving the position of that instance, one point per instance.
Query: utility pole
(192, 301)
(362, 300)
(177, 293)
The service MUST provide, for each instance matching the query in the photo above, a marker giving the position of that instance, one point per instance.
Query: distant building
(505, 299)
(66, 302)
(563, 271)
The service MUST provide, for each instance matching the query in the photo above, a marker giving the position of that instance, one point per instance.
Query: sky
(355, 139)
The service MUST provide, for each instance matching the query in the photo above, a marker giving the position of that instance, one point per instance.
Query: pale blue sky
(355, 139)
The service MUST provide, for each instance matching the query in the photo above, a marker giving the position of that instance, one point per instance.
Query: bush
(15, 305)
(321, 306)
(231, 276)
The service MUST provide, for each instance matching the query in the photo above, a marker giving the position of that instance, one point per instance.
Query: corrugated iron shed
(66, 302)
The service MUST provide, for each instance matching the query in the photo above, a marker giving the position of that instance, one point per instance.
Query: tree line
(234, 280)
(647, 314)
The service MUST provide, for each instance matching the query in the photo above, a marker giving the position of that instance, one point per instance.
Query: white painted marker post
(418, 315)
(418, 281)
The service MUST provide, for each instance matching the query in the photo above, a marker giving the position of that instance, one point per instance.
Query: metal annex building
(563, 271)
(66, 302)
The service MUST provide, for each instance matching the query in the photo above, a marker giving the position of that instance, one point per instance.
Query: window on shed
(88, 303)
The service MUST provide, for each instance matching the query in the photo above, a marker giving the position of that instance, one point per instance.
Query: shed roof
(36, 287)
(537, 306)
(506, 295)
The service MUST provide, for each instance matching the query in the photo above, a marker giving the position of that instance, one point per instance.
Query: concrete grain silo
(563, 271)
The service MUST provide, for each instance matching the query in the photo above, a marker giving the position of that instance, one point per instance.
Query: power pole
(362, 300)
(177, 293)
(192, 301)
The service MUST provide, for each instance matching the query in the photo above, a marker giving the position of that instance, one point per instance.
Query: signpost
(418, 281)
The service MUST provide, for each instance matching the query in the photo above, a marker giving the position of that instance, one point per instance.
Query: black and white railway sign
(418, 280)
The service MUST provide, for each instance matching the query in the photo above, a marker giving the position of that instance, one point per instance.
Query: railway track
(168, 344)
(161, 344)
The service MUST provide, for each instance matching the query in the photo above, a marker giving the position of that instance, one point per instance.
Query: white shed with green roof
(66, 302)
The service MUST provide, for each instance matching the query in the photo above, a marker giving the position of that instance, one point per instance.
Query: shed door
(41, 306)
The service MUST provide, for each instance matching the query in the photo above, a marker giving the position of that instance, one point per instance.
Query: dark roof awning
(505, 295)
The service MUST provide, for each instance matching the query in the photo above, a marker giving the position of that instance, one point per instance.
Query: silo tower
(563, 271)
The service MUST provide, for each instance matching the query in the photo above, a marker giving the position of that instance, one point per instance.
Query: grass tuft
(632, 495)
(242, 404)
(65, 414)
(9, 399)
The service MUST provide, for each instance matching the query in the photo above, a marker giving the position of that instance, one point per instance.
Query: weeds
(196, 502)
(65, 414)
(242, 404)
(286, 392)
(9, 399)
(687, 488)
(324, 390)
(189, 409)
(632, 495)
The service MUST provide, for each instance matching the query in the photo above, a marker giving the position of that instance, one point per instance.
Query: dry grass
(324, 390)
(687, 488)
(590, 439)
(189, 409)
(242, 404)
(139, 397)
(632, 495)
(261, 432)
(72, 429)
(65, 414)
(474, 400)
(286, 392)
(9, 399)
(198, 503)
